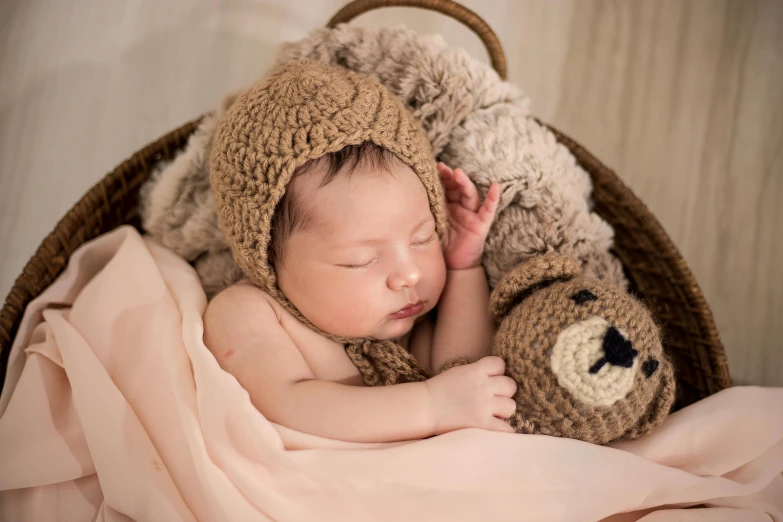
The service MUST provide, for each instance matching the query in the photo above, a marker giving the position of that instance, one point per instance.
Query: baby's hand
(469, 220)
(476, 395)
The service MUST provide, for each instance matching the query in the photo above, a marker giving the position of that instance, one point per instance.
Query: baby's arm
(243, 332)
(465, 326)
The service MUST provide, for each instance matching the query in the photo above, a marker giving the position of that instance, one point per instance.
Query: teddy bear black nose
(618, 351)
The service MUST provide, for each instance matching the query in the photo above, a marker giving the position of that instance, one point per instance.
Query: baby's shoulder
(242, 299)
(240, 312)
(242, 331)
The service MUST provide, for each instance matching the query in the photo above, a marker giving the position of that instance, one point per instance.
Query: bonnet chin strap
(385, 362)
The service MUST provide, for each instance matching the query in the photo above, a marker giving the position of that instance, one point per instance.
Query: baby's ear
(529, 276)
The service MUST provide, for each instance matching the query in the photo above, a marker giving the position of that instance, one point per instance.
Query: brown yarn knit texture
(300, 112)
(530, 329)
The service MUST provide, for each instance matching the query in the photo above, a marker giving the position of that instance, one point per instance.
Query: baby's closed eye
(426, 240)
(366, 263)
(360, 264)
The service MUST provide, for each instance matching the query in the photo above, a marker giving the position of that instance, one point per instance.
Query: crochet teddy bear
(587, 356)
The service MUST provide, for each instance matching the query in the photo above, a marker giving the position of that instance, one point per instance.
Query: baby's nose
(406, 276)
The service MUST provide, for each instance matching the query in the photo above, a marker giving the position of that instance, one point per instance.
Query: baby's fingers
(444, 170)
(459, 188)
(453, 194)
(469, 196)
(487, 211)
(496, 424)
(504, 407)
(504, 386)
(447, 176)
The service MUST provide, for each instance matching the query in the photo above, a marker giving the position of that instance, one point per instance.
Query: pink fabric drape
(113, 409)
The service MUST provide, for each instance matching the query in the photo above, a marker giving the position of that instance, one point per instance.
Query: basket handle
(447, 7)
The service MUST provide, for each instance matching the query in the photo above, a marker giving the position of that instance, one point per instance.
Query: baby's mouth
(406, 307)
(411, 309)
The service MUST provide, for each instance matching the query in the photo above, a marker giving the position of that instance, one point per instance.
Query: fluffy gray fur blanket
(474, 120)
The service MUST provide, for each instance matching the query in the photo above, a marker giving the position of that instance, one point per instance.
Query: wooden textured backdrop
(683, 98)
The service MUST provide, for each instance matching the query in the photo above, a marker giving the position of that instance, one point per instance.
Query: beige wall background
(684, 99)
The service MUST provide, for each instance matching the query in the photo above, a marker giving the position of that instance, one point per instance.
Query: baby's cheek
(436, 275)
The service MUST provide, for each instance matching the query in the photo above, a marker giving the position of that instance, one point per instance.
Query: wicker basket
(656, 271)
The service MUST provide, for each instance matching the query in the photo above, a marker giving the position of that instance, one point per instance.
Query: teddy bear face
(597, 342)
(588, 360)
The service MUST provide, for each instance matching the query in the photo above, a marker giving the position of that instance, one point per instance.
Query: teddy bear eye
(649, 367)
(583, 296)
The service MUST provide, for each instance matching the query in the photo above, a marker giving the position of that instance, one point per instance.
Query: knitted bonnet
(301, 112)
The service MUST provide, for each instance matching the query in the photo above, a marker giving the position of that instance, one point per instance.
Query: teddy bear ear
(528, 276)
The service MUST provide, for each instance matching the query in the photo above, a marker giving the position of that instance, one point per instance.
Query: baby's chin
(391, 329)
(396, 328)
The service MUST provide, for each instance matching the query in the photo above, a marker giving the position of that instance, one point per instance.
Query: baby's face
(371, 250)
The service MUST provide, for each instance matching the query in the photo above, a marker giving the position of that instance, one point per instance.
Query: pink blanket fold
(113, 409)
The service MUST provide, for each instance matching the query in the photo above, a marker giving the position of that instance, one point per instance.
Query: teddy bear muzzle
(595, 362)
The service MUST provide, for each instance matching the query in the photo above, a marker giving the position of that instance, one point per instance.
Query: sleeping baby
(347, 230)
